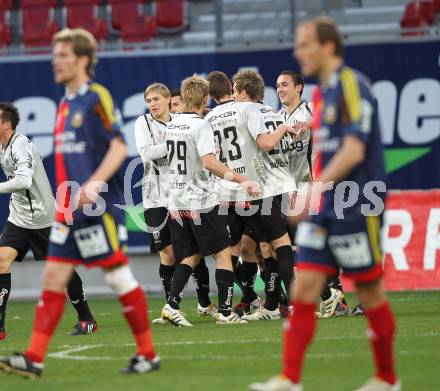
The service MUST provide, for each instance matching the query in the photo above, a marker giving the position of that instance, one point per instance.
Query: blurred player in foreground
(31, 213)
(347, 140)
(89, 228)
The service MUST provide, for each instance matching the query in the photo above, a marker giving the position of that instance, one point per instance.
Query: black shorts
(265, 225)
(158, 228)
(204, 231)
(23, 239)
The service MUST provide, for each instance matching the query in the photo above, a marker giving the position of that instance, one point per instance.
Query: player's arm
(268, 141)
(24, 168)
(146, 147)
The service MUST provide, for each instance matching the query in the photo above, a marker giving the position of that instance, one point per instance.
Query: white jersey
(150, 142)
(236, 127)
(191, 187)
(301, 154)
(277, 161)
(32, 204)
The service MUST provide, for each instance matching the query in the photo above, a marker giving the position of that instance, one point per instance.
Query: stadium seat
(129, 19)
(84, 13)
(418, 14)
(38, 22)
(171, 16)
(5, 28)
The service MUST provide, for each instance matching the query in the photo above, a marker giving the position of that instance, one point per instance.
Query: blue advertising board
(405, 78)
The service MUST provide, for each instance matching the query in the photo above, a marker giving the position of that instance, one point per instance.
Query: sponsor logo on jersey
(77, 119)
(330, 115)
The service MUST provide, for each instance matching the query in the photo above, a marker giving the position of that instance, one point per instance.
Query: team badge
(330, 115)
(156, 235)
(77, 119)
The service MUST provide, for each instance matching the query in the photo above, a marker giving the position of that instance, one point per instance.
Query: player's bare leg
(7, 257)
(381, 330)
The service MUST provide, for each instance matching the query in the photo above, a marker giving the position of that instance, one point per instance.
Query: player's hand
(251, 187)
(299, 128)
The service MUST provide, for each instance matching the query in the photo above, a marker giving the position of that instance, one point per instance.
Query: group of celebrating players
(227, 182)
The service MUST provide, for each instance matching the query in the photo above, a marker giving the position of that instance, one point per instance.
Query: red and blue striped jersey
(85, 125)
(347, 106)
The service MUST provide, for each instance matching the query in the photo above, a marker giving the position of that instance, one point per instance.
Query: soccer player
(295, 111)
(150, 140)
(176, 101)
(245, 141)
(347, 140)
(31, 213)
(89, 224)
(197, 225)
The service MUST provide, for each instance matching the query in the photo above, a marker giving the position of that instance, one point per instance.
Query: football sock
(78, 299)
(5, 289)
(381, 334)
(298, 334)
(201, 278)
(166, 275)
(181, 276)
(248, 274)
(283, 298)
(272, 284)
(285, 258)
(136, 312)
(237, 268)
(225, 284)
(48, 312)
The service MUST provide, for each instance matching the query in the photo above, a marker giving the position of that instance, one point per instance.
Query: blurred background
(396, 43)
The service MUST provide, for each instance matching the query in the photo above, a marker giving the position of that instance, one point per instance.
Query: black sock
(248, 274)
(271, 287)
(284, 297)
(285, 258)
(181, 276)
(201, 279)
(166, 275)
(237, 268)
(5, 289)
(225, 284)
(78, 299)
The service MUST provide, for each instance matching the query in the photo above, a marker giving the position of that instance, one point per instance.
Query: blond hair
(160, 88)
(250, 81)
(194, 90)
(83, 44)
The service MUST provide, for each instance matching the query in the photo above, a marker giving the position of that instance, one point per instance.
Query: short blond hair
(160, 88)
(194, 90)
(250, 81)
(83, 44)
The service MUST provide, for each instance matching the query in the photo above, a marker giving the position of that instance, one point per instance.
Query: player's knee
(6, 260)
(167, 256)
(266, 250)
(248, 249)
(121, 279)
(281, 241)
(52, 278)
(308, 286)
(371, 294)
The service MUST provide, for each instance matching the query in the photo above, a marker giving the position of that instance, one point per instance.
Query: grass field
(212, 357)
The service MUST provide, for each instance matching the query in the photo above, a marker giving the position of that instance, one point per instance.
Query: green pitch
(212, 357)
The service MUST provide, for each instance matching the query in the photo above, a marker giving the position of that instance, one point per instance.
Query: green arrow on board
(399, 157)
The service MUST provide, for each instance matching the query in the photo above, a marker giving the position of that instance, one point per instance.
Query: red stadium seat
(5, 28)
(418, 14)
(171, 15)
(128, 18)
(84, 13)
(38, 22)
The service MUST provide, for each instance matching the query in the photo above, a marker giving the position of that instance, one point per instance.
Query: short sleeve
(356, 106)
(204, 139)
(254, 120)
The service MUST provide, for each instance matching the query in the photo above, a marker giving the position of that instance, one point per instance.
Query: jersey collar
(81, 92)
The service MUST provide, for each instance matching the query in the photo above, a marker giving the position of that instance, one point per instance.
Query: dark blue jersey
(85, 126)
(346, 106)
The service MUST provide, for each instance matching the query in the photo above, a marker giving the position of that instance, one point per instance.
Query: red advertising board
(411, 241)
